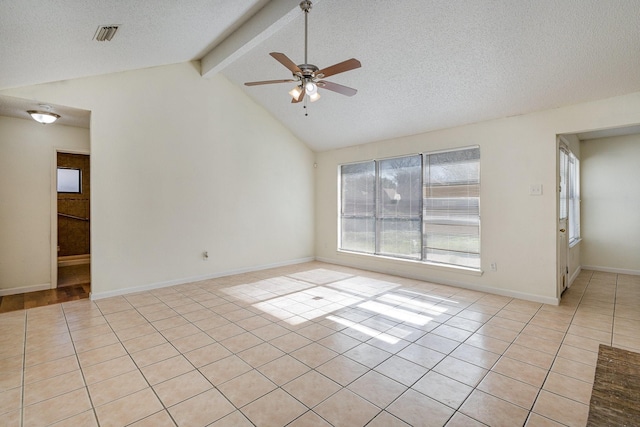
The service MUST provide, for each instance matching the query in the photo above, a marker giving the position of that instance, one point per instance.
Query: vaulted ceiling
(426, 64)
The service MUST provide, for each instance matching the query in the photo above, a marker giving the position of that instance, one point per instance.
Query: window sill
(575, 242)
(433, 265)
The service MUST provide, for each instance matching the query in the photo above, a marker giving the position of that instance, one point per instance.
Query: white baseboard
(25, 289)
(487, 289)
(611, 270)
(100, 295)
(65, 261)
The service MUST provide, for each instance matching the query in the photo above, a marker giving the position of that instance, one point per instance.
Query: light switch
(535, 190)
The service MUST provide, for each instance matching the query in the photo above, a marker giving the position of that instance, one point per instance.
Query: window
(424, 207)
(358, 207)
(574, 199)
(570, 193)
(564, 184)
(452, 208)
(400, 207)
(69, 180)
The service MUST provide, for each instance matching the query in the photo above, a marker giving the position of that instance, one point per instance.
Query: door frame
(54, 209)
(562, 238)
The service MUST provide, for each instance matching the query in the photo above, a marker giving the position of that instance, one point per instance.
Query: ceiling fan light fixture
(43, 117)
(309, 77)
(295, 92)
(311, 88)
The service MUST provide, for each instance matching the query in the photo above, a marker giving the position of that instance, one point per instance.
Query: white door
(563, 214)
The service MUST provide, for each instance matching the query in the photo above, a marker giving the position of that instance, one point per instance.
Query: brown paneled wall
(73, 234)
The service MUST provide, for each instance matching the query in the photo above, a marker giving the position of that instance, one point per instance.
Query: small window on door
(69, 180)
(574, 199)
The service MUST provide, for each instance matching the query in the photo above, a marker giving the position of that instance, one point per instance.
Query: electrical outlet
(205, 256)
(494, 266)
(535, 190)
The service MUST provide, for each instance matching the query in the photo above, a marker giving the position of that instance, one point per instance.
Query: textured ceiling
(44, 41)
(436, 64)
(426, 64)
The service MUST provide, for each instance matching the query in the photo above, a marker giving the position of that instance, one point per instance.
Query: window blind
(424, 207)
(452, 208)
(400, 206)
(358, 202)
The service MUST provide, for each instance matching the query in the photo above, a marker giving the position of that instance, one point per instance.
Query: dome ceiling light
(44, 117)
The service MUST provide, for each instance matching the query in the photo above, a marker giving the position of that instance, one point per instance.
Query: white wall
(27, 157)
(518, 231)
(611, 204)
(182, 164)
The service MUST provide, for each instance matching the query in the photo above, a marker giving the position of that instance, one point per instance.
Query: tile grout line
(539, 310)
(555, 357)
(195, 368)
(236, 301)
(492, 366)
(158, 331)
(450, 354)
(446, 355)
(166, 409)
(312, 369)
(309, 409)
(75, 353)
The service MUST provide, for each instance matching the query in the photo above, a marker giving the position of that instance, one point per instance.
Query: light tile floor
(313, 345)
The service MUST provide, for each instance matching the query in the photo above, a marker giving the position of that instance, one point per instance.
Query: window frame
(573, 196)
(380, 217)
(79, 180)
(342, 216)
(377, 216)
(440, 186)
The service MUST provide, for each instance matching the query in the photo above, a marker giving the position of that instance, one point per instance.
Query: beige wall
(518, 231)
(611, 204)
(218, 173)
(27, 159)
(180, 165)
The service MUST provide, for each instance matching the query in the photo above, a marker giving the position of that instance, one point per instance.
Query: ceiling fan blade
(340, 67)
(335, 87)
(284, 60)
(299, 98)
(268, 82)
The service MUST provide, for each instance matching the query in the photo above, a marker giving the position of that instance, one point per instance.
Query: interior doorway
(73, 236)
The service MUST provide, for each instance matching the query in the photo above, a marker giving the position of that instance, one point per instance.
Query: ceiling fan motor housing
(308, 69)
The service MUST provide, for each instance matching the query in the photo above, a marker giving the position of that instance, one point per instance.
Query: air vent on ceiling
(105, 33)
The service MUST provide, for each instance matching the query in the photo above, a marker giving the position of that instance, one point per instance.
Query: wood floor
(46, 297)
(74, 282)
(74, 275)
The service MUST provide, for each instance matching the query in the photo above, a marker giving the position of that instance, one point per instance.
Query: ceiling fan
(308, 77)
